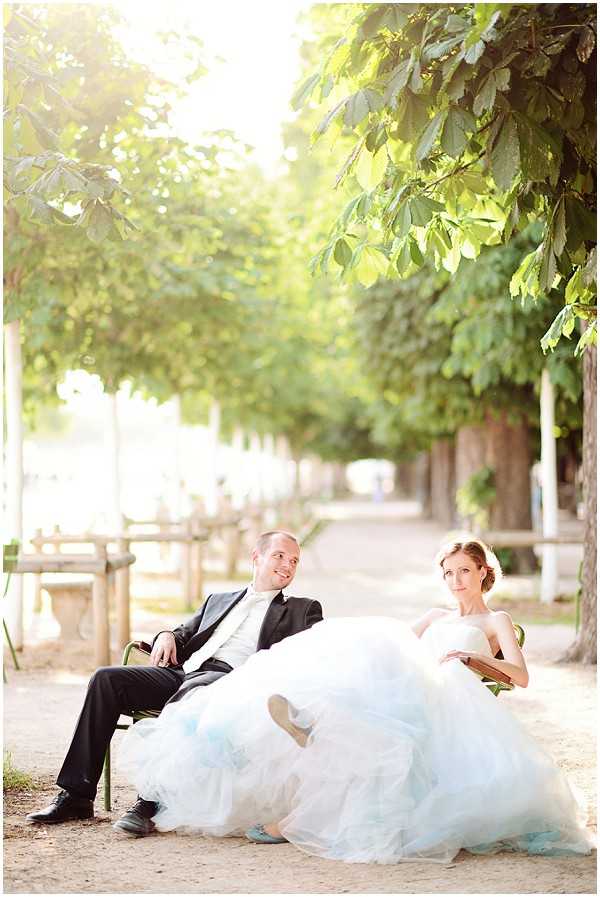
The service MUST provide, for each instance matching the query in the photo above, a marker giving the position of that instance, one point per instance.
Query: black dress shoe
(137, 821)
(63, 808)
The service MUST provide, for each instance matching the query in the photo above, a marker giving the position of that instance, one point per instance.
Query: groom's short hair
(264, 540)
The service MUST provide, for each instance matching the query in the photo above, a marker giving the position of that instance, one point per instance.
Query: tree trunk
(549, 584)
(405, 485)
(504, 447)
(340, 483)
(443, 484)
(583, 648)
(424, 483)
(14, 470)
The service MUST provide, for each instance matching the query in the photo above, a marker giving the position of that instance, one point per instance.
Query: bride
(398, 752)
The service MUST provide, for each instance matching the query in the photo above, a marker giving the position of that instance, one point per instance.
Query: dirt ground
(41, 704)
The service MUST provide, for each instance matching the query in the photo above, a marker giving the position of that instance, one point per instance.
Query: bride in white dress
(398, 752)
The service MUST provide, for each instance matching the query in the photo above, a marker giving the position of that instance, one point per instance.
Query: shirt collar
(269, 595)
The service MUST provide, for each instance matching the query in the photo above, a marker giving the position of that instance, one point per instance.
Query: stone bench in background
(71, 603)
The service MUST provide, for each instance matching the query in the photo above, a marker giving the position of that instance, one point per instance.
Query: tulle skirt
(407, 759)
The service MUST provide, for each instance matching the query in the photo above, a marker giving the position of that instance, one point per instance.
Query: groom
(228, 628)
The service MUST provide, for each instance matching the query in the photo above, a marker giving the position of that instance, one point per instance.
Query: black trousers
(115, 690)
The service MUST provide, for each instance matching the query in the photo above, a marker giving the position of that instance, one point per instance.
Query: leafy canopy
(470, 122)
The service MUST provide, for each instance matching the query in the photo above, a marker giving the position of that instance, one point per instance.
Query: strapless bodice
(440, 638)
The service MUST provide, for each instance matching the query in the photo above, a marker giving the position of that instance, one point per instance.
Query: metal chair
(10, 555)
(134, 654)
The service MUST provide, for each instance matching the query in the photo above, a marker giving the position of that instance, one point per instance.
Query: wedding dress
(408, 759)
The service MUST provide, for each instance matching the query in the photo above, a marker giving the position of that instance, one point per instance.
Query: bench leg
(106, 776)
(11, 646)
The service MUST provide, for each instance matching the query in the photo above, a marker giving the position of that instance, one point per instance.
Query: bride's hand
(456, 655)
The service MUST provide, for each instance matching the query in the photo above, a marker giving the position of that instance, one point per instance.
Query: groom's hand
(164, 651)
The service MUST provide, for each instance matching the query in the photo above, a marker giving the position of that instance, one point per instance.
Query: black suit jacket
(282, 619)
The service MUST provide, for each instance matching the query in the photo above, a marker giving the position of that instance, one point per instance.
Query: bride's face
(462, 576)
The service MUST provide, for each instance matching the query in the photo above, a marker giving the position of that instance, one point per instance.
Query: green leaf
(372, 22)
(398, 81)
(502, 77)
(402, 221)
(574, 288)
(404, 259)
(412, 116)
(474, 181)
(505, 157)
(349, 163)
(305, 91)
(589, 272)
(474, 52)
(547, 267)
(562, 325)
(540, 152)
(371, 169)
(429, 135)
(397, 14)
(581, 223)
(99, 224)
(585, 44)
(589, 337)
(372, 263)
(454, 135)
(350, 208)
(420, 212)
(360, 104)
(440, 48)
(415, 253)
(416, 81)
(326, 121)
(559, 228)
(342, 253)
(454, 24)
(486, 96)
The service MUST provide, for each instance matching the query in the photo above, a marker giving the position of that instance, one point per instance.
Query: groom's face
(275, 566)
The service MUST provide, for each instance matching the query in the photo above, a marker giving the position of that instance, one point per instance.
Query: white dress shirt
(235, 646)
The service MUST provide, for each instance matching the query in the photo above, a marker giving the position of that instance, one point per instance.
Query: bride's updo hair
(480, 554)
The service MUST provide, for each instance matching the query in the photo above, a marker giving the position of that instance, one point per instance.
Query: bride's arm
(419, 626)
(513, 664)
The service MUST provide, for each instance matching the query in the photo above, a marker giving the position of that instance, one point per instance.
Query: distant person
(378, 494)
(228, 628)
(398, 752)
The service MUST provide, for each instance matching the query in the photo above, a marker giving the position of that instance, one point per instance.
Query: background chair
(10, 555)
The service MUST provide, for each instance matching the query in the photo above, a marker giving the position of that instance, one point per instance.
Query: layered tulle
(408, 759)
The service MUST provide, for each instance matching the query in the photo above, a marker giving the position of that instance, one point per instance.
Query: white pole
(177, 493)
(214, 429)
(256, 486)
(269, 475)
(238, 490)
(14, 471)
(549, 585)
(113, 445)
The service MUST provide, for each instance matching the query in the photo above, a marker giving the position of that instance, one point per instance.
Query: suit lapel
(218, 608)
(272, 619)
